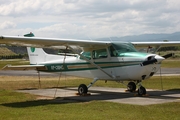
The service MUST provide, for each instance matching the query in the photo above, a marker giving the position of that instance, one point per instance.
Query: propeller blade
(148, 62)
(168, 55)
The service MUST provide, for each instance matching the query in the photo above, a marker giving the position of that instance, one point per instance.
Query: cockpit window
(118, 49)
(101, 53)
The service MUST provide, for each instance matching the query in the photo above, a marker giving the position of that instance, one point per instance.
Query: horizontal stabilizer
(24, 67)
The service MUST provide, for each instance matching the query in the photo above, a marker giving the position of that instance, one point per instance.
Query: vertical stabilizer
(36, 55)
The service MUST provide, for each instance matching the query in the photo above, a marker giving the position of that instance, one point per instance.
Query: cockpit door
(119, 69)
(101, 57)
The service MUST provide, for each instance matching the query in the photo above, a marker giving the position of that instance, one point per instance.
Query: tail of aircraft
(38, 55)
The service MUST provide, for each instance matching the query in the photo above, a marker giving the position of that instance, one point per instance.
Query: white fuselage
(100, 64)
(119, 68)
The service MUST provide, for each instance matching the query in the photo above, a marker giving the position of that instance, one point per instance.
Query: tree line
(19, 56)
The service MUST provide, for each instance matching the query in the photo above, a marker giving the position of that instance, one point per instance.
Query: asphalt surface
(117, 95)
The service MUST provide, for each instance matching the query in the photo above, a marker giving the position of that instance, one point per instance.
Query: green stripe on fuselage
(59, 67)
(86, 66)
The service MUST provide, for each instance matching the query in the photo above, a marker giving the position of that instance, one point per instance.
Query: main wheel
(141, 91)
(131, 86)
(82, 89)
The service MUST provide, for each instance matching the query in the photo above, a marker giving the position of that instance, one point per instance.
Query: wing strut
(90, 62)
(157, 48)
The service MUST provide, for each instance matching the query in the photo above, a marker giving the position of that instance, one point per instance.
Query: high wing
(156, 45)
(163, 44)
(54, 43)
(50, 42)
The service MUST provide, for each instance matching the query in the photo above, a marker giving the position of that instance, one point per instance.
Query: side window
(101, 53)
(112, 51)
(87, 55)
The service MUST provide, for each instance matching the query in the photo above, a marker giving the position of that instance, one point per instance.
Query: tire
(131, 86)
(82, 89)
(141, 91)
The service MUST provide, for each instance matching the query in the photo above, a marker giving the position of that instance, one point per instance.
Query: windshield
(117, 49)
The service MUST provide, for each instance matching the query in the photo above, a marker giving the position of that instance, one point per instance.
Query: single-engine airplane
(114, 61)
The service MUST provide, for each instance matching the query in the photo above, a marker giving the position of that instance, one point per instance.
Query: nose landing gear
(141, 89)
(132, 87)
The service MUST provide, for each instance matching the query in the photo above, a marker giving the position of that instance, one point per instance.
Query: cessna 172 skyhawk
(115, 61)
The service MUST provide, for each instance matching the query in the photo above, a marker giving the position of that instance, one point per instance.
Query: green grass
(172, 63)
(18, 106)
(5, 51)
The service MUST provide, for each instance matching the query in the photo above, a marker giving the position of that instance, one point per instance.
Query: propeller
(168, 55)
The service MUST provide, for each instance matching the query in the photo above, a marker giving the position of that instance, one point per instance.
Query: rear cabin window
(87, 55)
(101, 53)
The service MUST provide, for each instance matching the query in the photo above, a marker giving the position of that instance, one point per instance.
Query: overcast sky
(88, 19)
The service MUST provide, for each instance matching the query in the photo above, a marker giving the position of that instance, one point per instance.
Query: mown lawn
(18, 106)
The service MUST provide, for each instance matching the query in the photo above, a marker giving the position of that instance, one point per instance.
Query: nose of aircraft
(159, 58)
(152, 59)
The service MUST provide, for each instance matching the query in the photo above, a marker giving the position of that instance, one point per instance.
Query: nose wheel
(141, 91)
(132, 87)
